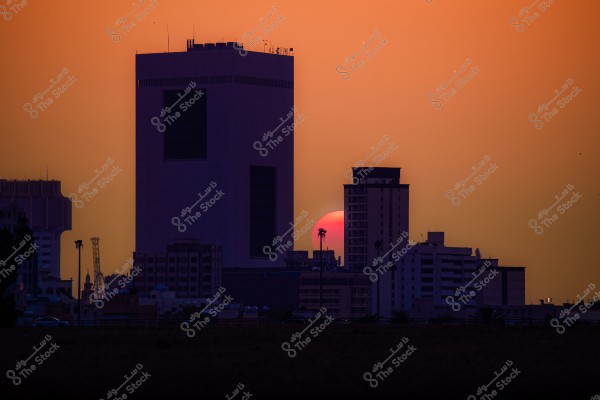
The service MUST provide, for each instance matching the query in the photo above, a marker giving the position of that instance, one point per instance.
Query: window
(263, 206)
(185, 137)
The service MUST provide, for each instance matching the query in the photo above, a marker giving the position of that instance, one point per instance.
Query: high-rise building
(214, 153)
(48, 215)
(375, 213)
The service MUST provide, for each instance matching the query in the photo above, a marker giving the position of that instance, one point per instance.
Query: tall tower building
(376, 210)
(48, 213)
(204, 167)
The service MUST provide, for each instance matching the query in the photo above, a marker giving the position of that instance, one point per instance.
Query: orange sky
(517, 71)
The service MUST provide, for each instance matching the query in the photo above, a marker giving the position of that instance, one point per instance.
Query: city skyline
(436, 148)
(294, 200)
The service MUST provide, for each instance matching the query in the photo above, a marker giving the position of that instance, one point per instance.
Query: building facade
(188, 268)
(432, 275)
(298, 259)
(48, 215)
(376, 212)
(214, 153)
(345, 294)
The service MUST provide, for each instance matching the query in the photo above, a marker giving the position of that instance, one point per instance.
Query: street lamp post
(378, 247)
(322, 233)
(79, 245)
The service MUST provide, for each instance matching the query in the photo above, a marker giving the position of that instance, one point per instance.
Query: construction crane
(98, 287)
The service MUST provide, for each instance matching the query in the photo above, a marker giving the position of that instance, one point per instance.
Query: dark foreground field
(450, 362)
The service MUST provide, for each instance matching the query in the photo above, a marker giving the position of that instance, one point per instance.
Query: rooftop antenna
(46, 171)
(168, 39)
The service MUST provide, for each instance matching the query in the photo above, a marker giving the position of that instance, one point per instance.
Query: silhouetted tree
(8, 281)
(443, 319)
(367, 319)
(400, 317)
(488, 315)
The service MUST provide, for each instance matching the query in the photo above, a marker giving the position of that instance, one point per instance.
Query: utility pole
(378, 247)
(322, 233)
(79, 245)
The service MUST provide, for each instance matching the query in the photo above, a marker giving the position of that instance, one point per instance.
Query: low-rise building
(188, 268)
(345, 294)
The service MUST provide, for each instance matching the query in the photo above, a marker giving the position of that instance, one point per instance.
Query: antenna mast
(98, 287)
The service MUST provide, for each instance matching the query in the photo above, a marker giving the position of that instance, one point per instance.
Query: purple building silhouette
(48, 213)
(204, 120)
